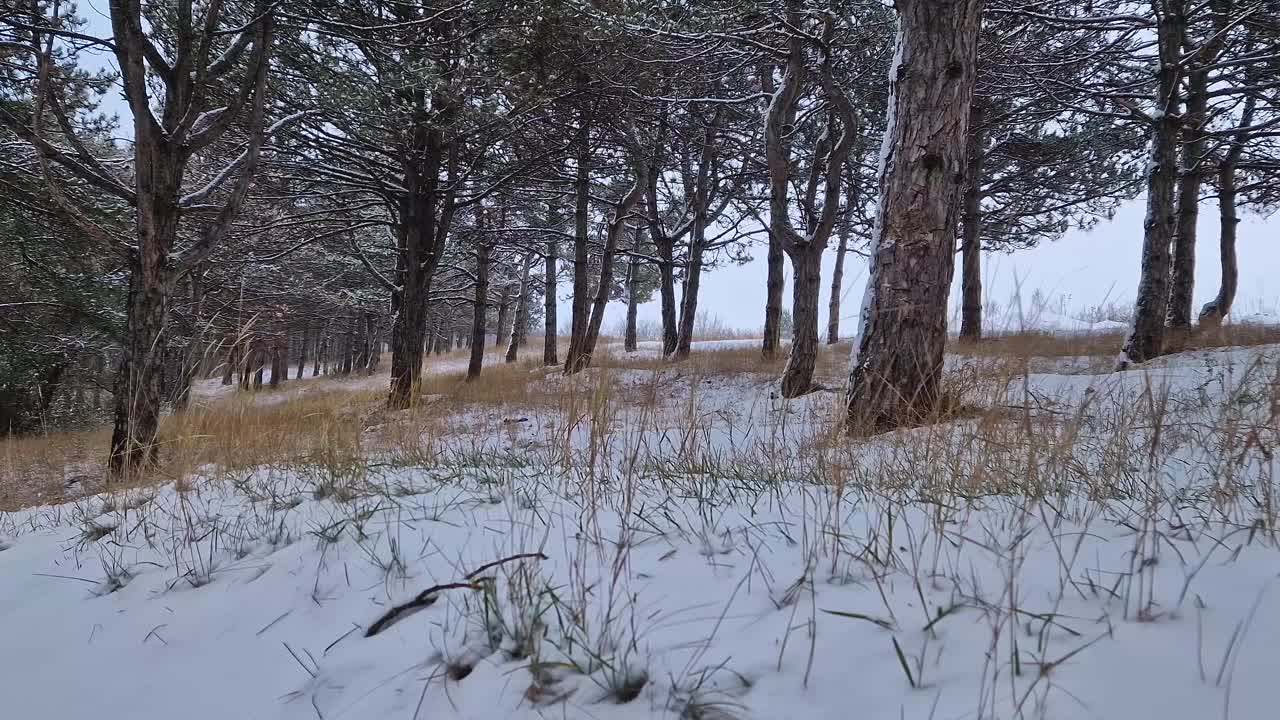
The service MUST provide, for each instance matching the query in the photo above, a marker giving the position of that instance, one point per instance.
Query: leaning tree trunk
(521, 324)
(806, 281)
(1146, 336)
(480, 309)
(896, 368)
(1182, 278)
(629, 340)
(971, 233)
(613, 235)
(837, 282)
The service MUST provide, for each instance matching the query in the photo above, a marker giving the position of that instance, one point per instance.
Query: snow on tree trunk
(521, 323)
(837, 282)
(1146, 336)
(896, 365)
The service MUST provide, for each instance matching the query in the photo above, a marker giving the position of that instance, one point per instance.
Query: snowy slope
(696, 569)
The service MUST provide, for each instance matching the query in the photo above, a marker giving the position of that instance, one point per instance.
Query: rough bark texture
(837, 282)
(629, 340)
(613, 234)
(304, 345)
(1217, 309)
(550, 354)
(480, 309)
(521, 324)
(1146, 337)
(1182, 277)
(805, 250)
(971, 232)
(664, 247)
(780, 116)
(425, 218)
(896, 368)
(505, 299)
(581, 281)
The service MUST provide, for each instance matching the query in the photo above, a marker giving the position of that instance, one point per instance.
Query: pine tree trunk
(137, 387)
(1182, 279)
(550, 289)
(837, 283)
(1215, 311)
(520, 327)
(302, 352)
(581, 300)
(971, 232)
(692, 281)
(233, 359)
(504, 315)
(480, 311)
(896, 369)
(773, 299)
(667, 291)
(629, 339)
(1146, 336)
(806, 286)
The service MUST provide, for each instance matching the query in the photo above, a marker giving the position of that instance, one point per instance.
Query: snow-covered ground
(686, 545)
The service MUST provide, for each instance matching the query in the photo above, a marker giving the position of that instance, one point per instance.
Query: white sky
(1088, 268)
(1091, 268)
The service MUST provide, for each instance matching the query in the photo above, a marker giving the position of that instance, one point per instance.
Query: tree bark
(137, 387)
(1146, 336)
(1217, 309)
(581, 299)
(780, 117)
(806, 280)
(629, 339)
(480, 310)
(1182, 278)
(692, 281)
(896, 367)
(837, 283)
(550, 353)
(303, 346)
(971, 231)
(521, 324)
(504, 315)
(613, 234)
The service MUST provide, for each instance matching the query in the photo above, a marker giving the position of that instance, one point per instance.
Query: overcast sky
(1097, 267)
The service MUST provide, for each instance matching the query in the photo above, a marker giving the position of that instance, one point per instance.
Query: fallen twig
(428, 597)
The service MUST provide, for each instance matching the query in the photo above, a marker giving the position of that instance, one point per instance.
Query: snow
(707, 556)
(1049, 322)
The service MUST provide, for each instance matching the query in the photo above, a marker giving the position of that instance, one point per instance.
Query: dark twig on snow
(427, 597)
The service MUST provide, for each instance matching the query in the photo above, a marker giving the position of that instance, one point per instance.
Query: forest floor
(668, 540)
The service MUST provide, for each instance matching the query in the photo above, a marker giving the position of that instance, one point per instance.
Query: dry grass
(327, 420)
(1107, 345)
